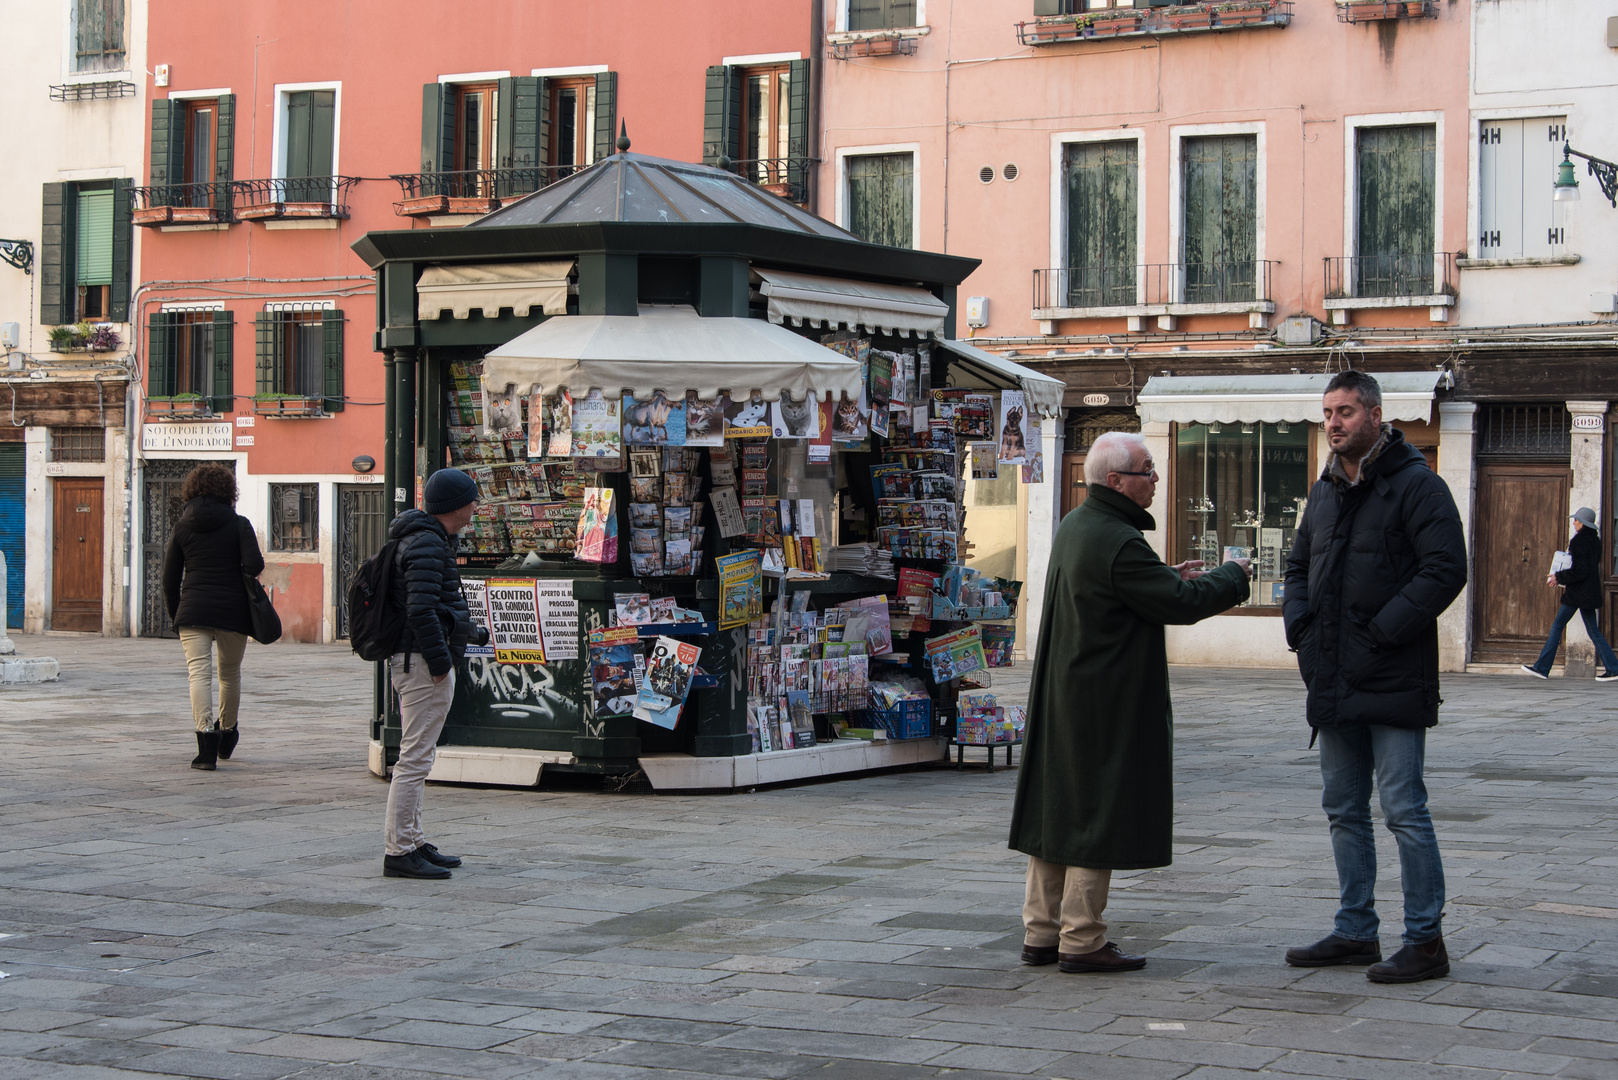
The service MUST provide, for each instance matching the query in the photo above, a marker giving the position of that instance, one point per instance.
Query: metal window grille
(294, 512)
(1085, 426)
(78, 444)
(1526, 431)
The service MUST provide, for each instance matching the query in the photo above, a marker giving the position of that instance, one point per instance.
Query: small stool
(960, 752)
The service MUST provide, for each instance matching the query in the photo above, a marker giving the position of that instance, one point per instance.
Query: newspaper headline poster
(558, 618)
(477, 607)
(513, 605)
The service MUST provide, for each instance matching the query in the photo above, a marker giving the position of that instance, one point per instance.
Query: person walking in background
(1378, 555)
(211, 548)
(1581, 593)
(437, 628)
(1096, 789)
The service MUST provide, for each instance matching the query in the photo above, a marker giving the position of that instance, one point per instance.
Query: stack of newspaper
(867, 559)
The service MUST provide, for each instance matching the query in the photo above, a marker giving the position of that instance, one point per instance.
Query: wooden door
(1073, 490)
(1521, 520)
(76, 562)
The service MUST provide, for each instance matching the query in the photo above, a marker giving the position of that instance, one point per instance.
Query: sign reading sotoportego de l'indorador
(207, 436)
(514, 621)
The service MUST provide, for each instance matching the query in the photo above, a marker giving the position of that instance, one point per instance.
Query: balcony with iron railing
(301, 197)
(1390, 280)
(1164, 290)
(1104, 24)
(787, 177)
(471, 191)
(182, 204)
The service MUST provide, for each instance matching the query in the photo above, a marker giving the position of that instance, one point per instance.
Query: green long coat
(1096, 787)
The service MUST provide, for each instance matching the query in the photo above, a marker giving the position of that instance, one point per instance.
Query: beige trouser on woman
(1064, 905)
(423, 705)
(198, 642)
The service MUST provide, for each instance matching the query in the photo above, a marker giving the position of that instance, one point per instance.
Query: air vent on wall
(986, 174)
(1010, 172)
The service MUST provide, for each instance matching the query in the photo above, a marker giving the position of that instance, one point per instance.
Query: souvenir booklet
(595, 426)
(741, 588)
(952, 655)
(669, 668)
(617, 670)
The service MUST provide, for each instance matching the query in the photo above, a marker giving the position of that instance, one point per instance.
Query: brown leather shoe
(1038, 955)
(1106, 958)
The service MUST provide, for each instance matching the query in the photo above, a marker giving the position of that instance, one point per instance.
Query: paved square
(235, 924)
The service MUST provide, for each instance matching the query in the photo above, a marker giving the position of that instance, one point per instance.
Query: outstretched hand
(1190, 570)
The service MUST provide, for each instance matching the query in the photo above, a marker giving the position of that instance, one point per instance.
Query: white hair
(1112, 452)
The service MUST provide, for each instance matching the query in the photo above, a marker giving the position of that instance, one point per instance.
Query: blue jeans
(1592, 624)
(1348, 759)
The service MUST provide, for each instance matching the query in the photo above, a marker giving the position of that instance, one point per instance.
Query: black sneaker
(1332, 950)
(411, 865)
(1607, 676)
(1535, 672)
(436, 857)
(1413, 963)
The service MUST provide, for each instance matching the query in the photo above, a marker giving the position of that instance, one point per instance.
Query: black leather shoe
(1413, 963)
(207, 758)
(436, 857)
(1039, 955)
(1332, 949)
(1107, 958)
(411, 865)
(228, 737)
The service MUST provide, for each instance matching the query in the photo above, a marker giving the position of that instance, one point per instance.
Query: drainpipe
(817, 60)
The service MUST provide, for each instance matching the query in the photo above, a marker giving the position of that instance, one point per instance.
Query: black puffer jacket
(1581, 582)
(1372, 567)
(202, 569)
(428, 584)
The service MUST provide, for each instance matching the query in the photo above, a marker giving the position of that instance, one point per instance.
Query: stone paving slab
(166, 922)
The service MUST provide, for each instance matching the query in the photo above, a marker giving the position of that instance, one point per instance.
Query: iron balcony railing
(1412, 274)
(1153, 284)
(431, 192)
(161, 204)
(295, 196)
(785, 176)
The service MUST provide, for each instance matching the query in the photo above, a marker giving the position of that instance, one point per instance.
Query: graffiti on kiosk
(593, 728)
(520, 690)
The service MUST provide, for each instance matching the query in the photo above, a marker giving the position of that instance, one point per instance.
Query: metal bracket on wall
(19, 253)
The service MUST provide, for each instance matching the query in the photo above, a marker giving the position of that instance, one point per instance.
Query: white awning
(1272, 399)
(829, 301)
(490, 287)
(985, 370)
(673, 349)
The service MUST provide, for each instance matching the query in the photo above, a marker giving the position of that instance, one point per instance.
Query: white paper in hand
(1561, 561)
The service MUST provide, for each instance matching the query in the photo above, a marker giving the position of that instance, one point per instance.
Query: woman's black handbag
(266, 623)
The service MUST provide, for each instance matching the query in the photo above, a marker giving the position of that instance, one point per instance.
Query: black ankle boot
(228, 737)
(207, 757)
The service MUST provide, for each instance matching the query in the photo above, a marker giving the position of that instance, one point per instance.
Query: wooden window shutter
(606, 113)
(160, 358)
(224, 156)
(1220, 243)
(437, 115)
(223, 398)
(162, 119)
(57, 252)
(1396, 204)
(123, 242)
(542, 151)
(267, 335)
(721, 114)
(517, 134)
(797, 148)
(332, 360)
(1101, 207)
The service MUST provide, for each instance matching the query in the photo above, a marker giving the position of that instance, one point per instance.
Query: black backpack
(375, 619)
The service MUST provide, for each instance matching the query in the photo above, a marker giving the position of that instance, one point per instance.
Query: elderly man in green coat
(1096, 789)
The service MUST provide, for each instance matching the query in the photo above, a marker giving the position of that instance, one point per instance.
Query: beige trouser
(1064, 906)
(423, 705)
(198, 642)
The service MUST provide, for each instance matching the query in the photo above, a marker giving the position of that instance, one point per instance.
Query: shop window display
(1243, 487)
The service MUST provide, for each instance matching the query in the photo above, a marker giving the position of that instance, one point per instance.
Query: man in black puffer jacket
(1379, 554)
(437, 628)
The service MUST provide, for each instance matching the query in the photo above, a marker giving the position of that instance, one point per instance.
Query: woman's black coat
(1581, 582)
(202, 571)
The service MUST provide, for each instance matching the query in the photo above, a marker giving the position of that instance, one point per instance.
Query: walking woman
(1581, 592)
(202, 582)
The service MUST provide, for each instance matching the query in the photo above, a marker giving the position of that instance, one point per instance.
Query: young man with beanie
(437, 630)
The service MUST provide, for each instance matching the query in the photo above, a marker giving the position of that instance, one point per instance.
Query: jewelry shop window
(1240, 488)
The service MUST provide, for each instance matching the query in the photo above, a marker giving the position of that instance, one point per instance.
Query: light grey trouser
(423, 705)
(198, 643)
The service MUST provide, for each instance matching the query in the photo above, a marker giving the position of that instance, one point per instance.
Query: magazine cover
(741, 588)
(802, 720)
(668, 679)
(558, 425)
(848, 420)
(1013, 443)
(633, 608)
(795, 419)
(882, 367)
(502, 412)
(654, 421)
(984, 465)
(535, 421)
(974, 416)
(916, 592)
(704, 421)
(595, 426)
(748, 418)
(598, 528)
(952, 655)
(999, 639)
(879, 421)
(1033, 470)
(878, 631)
(617, 670)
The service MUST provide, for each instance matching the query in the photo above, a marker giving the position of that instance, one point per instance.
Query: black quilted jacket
(428, 584)
(1581, 583)
(202, 570)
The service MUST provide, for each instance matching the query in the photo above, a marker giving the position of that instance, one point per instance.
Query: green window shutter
(162, 112)
(1396, 203)
(93, 236)
(1219, 182)
(606, 113)
(721, 114)
(267, 347)
(1049, 7)
(224, 158)
(881, 198)
(880, 14)
(160, 358)
(311, 125)
(123, 242)
(434, 105)
(517, 133)
(56, 256)
(1101, 208)
(223, 399)
(797, 148)
(332, 366)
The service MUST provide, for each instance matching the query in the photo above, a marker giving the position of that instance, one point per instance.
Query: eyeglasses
(1128, 472)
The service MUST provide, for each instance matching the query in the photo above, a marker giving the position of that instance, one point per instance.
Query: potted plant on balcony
(1242, 12)
(179, 406)
(102, 338)
(1188, 17)
(1110, 22)
(287, 405)
(69, 338)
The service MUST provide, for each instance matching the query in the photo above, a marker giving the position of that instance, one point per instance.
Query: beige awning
(673, 349)
(829, 301)
(1273, 399)
(492, 286)
(986, 370)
